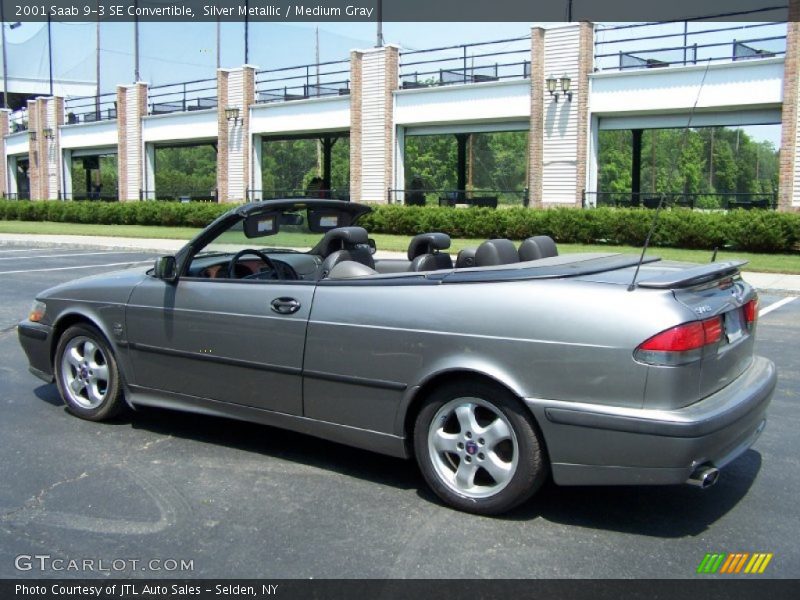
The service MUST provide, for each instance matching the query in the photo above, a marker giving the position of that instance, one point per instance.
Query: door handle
(285, 305)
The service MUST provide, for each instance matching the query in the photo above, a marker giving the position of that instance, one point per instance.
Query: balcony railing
(658, 45)
(18, 120)
(466, 63)
(185, 96)
(304, 81)
(90, 109)
(694, 201)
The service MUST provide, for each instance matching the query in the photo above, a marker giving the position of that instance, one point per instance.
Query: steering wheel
(263, 257)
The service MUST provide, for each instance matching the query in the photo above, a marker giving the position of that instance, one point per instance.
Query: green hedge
(754, 231)
(174, 214)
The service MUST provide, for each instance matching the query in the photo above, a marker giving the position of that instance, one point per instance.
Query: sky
(173, 52)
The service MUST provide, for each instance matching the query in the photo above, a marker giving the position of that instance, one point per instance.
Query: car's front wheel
(478, 448)
(87, 374)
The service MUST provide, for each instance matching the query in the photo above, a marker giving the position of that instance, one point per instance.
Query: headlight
(38, 309)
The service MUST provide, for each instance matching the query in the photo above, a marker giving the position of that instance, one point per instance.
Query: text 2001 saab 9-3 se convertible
(493, 371)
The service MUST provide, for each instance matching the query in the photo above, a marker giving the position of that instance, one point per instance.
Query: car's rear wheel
(478, 448)
(87, 374)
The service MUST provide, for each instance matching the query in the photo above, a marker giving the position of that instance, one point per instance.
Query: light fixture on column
(32, 135)
(565, 86)
(48, 133)
(232, 114)
(551, 87)
(564, 82)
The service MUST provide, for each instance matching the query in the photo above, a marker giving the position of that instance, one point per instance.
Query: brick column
(35, 150)
(45, 115)
(536, 133)
(4, 113)
(131, 107)
(789, 173)
(356, 132)
(235, 89)
(568, 51)
(581, 98)
(373, 80)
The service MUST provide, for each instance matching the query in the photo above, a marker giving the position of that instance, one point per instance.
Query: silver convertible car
(494, 371)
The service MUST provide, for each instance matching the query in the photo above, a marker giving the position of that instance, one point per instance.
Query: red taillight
(751, 311)
(678, 339)
(713, 330)
(680, 344)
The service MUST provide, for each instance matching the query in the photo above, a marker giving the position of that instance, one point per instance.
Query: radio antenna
(672, 170)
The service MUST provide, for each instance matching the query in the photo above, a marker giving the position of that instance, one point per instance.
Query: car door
(232, 341)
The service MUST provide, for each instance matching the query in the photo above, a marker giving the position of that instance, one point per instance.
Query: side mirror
(373, 248)
(166, 268)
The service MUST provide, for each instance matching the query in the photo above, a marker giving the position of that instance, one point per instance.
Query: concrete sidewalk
(772, 282)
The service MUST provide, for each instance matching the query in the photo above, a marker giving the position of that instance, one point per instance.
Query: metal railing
(466, 63)
(185, 96)
(17, 195)
(186, 195)
(662, 44)
(104, 195)
(491, 198)
(331, 194)
(694, 201)
(18, 120)
(315, 80)
(90, 109)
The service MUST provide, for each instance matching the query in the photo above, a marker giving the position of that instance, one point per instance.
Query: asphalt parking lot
(241, 500)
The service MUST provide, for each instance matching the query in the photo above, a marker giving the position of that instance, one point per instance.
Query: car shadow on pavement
(279, 443)
(657, 511)
(49, 393)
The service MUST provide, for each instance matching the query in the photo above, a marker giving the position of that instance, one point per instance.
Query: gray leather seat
(344, 244)
(423, 252)
(496, 252)
(348, 269)
(539, 246)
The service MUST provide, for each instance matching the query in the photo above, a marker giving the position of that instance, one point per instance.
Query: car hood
(106, 287)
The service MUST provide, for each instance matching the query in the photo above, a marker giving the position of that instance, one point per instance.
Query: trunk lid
(707, 291)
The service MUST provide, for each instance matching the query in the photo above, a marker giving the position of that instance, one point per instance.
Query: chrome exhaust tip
(704, 477)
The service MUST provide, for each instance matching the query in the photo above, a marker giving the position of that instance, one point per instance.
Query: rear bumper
(598, 445)
(35, 340)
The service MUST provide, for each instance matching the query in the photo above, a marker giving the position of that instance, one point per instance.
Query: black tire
(518, 459)
(88, 378)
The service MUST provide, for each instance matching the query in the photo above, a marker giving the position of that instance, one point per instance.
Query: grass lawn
(770, 263)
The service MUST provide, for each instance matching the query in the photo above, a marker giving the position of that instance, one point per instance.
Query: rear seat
(496, 252)
(502, 252)
(536, 247)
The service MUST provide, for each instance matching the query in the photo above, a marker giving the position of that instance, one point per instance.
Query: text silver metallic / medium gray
(494, 371)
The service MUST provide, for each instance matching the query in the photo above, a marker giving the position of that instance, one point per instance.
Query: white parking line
(69, 255)
(775, 305)
(30, 250)
(137, 262)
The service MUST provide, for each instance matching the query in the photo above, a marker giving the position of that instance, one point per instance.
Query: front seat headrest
(496, 252)
(341, 238)
(426, 243)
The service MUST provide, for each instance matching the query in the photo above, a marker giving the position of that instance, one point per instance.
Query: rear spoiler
(693, 276)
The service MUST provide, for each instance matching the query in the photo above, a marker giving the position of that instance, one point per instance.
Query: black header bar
(450, 11)
(224, 589)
